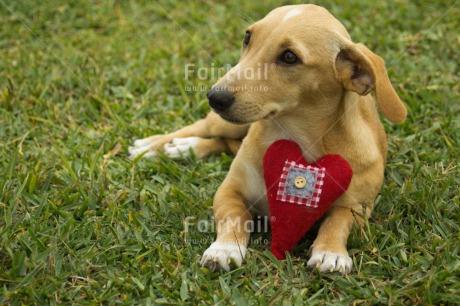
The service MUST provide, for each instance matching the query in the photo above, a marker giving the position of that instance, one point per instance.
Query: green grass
(78, 79)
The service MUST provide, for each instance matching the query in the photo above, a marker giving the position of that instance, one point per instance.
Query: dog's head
(300, 55)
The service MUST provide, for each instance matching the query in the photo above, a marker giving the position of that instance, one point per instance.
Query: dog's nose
(220, 99)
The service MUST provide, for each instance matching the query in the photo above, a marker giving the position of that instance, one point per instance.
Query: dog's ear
(360, 71)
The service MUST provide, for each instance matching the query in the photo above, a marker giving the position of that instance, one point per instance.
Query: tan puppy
(317, 94)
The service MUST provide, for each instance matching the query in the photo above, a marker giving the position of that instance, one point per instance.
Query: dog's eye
(247, 38)
(289, 58)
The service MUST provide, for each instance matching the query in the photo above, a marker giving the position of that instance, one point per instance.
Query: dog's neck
(311, 129)
(306, 132)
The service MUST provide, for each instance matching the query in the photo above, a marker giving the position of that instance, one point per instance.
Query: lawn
(82, 223)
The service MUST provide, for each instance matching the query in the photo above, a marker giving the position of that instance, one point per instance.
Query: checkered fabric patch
(308, 195)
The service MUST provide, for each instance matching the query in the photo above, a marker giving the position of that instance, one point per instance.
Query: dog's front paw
(148, 146)
(330, 262)
(181, 147)
(219, 255)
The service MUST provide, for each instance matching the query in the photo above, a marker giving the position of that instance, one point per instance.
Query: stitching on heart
(309, 195)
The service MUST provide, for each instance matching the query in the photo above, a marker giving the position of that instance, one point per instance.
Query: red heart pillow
(299, 193)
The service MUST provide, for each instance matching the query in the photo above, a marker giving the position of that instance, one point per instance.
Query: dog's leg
(329, 250)
(193, 138)
(201, 147)
(232, 144)
(233, 229)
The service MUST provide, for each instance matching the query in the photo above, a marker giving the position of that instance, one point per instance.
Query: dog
(318, 95)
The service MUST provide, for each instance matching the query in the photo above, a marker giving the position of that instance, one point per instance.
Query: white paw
(145, 142)
(181, 147)
(218, 256)
(330, 262)
(136, 151)
(150, 145)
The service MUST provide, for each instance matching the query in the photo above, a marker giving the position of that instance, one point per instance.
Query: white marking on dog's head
(291, 13)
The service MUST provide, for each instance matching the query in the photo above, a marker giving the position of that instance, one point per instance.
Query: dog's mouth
(232, 119)
(246, 119)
